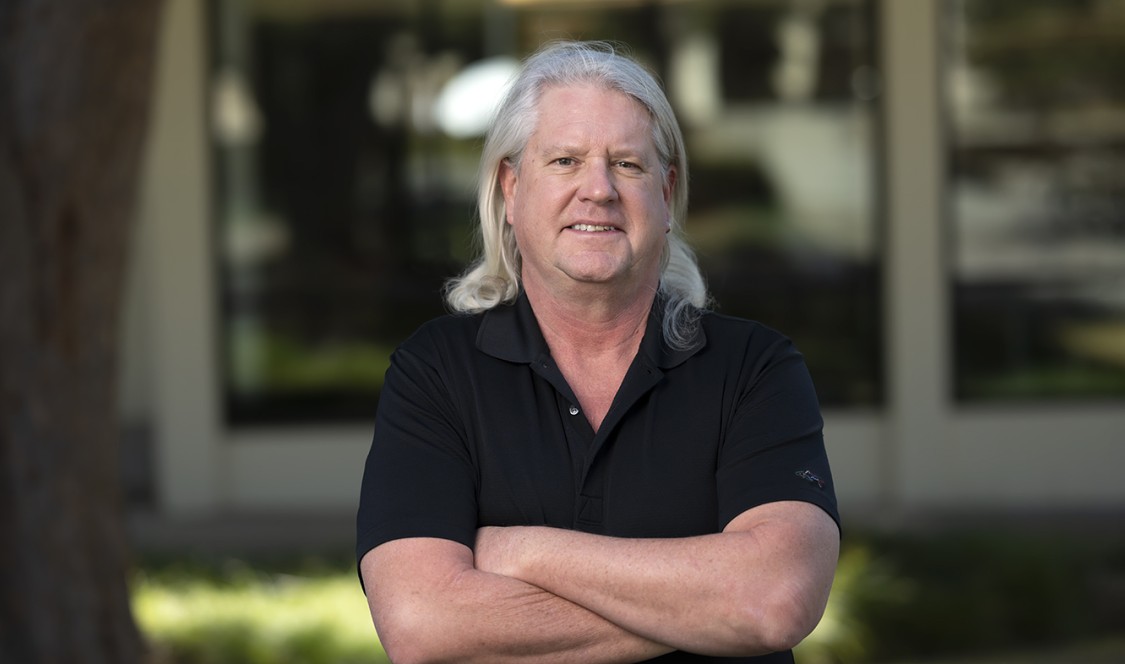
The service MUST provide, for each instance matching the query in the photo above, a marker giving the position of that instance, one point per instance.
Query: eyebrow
(630, 153)
(557, 148)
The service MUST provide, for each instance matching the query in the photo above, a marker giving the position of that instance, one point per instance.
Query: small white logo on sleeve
(810, 477)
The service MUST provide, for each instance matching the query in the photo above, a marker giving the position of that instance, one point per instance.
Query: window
(344, 195)
(1037, 197)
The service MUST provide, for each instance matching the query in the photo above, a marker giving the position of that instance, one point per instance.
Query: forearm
(731, 593)
(467, 615)
(657, 588)
(506, 620)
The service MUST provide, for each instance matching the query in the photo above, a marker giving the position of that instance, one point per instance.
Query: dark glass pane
(1037, 197)
(344, 197)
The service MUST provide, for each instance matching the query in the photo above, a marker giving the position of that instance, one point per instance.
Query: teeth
(591, 227)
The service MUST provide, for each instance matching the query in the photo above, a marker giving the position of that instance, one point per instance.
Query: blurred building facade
(927, 195)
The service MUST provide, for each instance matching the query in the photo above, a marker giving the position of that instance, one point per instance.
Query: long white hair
(495, 276)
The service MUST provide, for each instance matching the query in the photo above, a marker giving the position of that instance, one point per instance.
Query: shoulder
(452, 325)
(731, 334)
(749, 351)
(444, 335)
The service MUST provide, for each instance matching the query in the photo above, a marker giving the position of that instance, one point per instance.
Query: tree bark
(75, 81)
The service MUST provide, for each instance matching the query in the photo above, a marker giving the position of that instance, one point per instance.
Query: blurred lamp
(464, 107)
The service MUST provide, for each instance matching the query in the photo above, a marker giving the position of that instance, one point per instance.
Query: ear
(669, 184)
(508, 177)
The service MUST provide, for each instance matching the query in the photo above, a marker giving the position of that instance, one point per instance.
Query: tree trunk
(75, 81)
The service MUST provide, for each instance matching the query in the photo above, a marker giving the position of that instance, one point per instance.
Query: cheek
(660, 214)
(516, 210)
(520, 235)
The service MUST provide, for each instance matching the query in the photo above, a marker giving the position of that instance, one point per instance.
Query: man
(584, 465)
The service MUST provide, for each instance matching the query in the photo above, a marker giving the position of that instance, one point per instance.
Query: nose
(597, 182)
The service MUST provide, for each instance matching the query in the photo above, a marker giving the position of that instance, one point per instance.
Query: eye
(628, 165)
(565, 161)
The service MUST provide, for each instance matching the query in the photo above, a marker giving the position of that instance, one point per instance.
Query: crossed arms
(550, 595)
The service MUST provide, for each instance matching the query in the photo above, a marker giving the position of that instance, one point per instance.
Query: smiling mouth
(592, 228)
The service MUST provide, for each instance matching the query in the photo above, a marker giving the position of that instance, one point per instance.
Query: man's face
(590, 200)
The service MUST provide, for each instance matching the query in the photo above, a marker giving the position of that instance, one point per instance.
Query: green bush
(963, 593)
(894, 597)
(233, 614)
(863, 583)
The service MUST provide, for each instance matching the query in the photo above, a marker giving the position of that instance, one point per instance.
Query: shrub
(236, 615)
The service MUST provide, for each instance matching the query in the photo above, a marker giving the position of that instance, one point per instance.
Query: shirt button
(574, 410)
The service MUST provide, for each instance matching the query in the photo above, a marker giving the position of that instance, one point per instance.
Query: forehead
(590, 111)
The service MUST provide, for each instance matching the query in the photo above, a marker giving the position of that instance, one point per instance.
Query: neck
(597, 323)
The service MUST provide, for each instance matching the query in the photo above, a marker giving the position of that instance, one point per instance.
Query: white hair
(494, 278)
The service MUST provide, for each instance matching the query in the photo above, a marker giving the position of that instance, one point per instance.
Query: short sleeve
(774, 446)
(418, 480)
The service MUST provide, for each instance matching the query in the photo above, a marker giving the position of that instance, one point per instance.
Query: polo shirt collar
(511, 332)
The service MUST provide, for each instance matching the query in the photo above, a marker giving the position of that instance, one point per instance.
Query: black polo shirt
(476, 426)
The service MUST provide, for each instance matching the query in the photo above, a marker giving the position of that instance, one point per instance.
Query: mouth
(592, 228)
